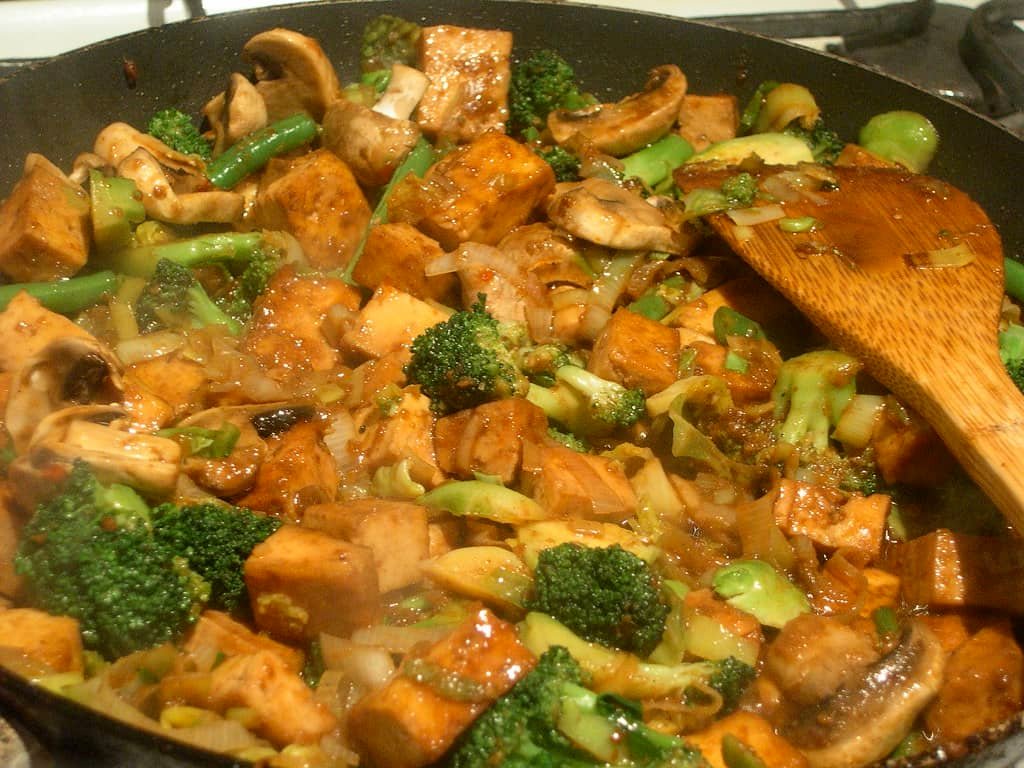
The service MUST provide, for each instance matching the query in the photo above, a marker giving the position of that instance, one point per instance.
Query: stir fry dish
(419, 418)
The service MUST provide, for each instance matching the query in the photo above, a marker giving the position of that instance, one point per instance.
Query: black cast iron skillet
(57, 107)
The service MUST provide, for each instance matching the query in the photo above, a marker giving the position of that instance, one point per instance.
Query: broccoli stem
(419, 159)
(1014, 275)
(65, 296)
(205, 249)
(207, 313)
(252, 152)
(654, 164)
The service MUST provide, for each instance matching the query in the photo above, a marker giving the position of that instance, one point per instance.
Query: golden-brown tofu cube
(469, 74)
(410, 723)
(319, 202)
(983, 686)
(750, 296)
(908, 450)
(943, 569)
(44, 225)
(285, 708)
(391, 319)
(752, 385)
(489, 438)
(636, 352)
(883, 590)
(478, 192)
(303, 582)
(396, 254)
(826, 518)
(571, 484)
(395, 531)
(706, 120)
(753, 731)
(53, 641)
(407, 433)
(216, 634)
(287, 331)
(26, 326)
(163, 389)
(369, 378)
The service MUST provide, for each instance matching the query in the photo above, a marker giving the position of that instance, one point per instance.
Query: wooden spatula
(866, 277)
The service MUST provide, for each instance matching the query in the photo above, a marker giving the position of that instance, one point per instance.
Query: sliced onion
(857, 422)
(148, 346)
(749, 217)
(399, 639)
(338, 438)
(368, 666)
(958, 255)
(444, 264)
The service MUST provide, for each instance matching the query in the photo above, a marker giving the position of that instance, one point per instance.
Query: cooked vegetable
(907, 138)
(540, 84)
(654, 164)
(586, 404)
(810, 394)
(757, 588)
(252, 152)
(176, 129)
(65, 296)
(388, 40)
(174, 298)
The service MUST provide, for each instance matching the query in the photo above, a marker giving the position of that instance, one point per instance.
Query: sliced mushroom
(84, 163)
(293, 74)
(67, 371)
(604, 213)
(864, 720)
(119, 140)
(238, 111)
(372, 144)
(630, 124)
(405, 90)
(92, 433)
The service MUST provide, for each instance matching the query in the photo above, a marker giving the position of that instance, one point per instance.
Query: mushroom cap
(631, 124)
(293, 74)
(235, 112)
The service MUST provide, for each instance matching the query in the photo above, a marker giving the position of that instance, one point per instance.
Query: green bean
(65, 296)
(1013, 272)
(252, 152)
(205, 249)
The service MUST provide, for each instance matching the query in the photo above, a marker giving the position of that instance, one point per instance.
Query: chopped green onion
(736, 754)
(886, 622)
(736, 363)
(1013, 272)
(205, 443)
(728, 322)
(800, 224)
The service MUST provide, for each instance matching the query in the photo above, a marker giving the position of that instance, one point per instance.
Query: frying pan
(57, 107)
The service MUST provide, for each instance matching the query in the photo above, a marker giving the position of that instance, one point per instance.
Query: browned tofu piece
(408, 433)
(829, 520)
(287, 331)
(395, 531)
(391, 319)
(297, 471)
(285, 708)
(409, 724)
(983, 686)
(217, 634)
(883, 590)
(479, 192)
(163, 389)
(469, 73)
(53, 641)
(44, 225)
(489, 438)
(319, 202)
(26, 326)
(753, 385)
(756, 733)
(750, 296)
(908, 451)
(636, 352)
(396, 254)
(304, 582)
(369, 378)
(571, 484)
(952, 570)
(10, 528)
(706, 120)
(950, 629)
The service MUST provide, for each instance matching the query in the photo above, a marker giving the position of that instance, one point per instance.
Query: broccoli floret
(756, 588)
(825, 144)
(660, 299)
(176, 129)
(174, 298)
(654, 164)
(605, 595)
(250, 284)
(563, 162)
(89, 553)
(550, 719)
(810, 394)
(540, 362)
(388, 40)
(215, 540)
(464, 361)
(569, 440)
(731, 678)
(540, 84)
(740, 190)
(586, 404)
(1011, 352)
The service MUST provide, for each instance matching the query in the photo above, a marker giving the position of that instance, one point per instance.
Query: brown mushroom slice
(371, 143)
(235, 473)
(118, 141)
(604, 213)
(67, 371)
(234, 113)
(293, 74)
(404, 92)
(864, 721)
(90, 433)
(164, 204)
(630, 124)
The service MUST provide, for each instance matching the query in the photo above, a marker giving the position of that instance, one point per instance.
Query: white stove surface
(39, 28)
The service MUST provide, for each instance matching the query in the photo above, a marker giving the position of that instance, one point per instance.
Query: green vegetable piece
(772, 148)
(825, 144)
(752, 110)
(810, 394)
(1011, 352)
(886, 621)
(1013, 272)
(651, 306)
(540, 84)
(904, 137)
(176, 129)
(173, 298)
(735, 362)
(731, 678)
(736, 754)
(586, 404)
(116, 204)
(65, 296)
(475, 498)
(754, 587)
(654, 164)
(205, 443)
(252, 152)
(563, 162)
(388, 40)
(800, 224)
(606, 595)
(728, 322)
(219, 248)
(740, 190)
